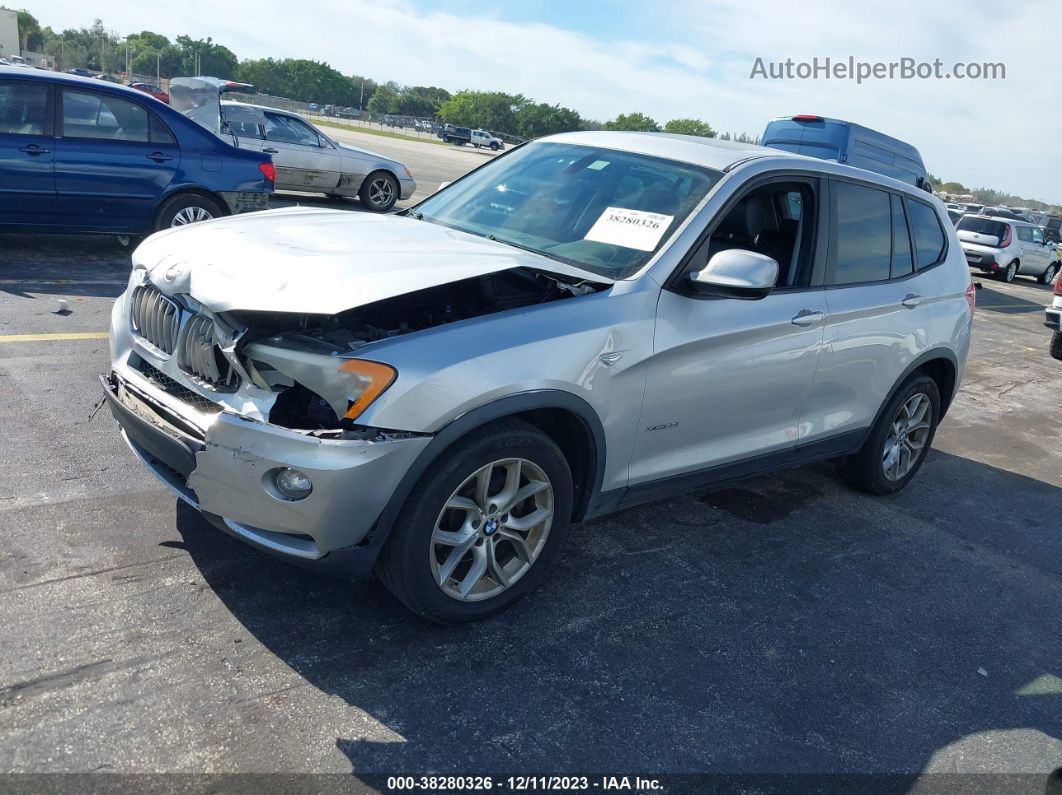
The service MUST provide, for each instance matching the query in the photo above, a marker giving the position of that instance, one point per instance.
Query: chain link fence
(423, 127)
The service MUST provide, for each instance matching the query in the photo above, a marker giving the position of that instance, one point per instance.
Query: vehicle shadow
(782, 625)
(995, 300)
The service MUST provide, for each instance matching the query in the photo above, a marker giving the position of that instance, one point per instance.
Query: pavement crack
(94, 573)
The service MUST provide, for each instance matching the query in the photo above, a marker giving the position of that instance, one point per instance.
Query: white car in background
(306, 159)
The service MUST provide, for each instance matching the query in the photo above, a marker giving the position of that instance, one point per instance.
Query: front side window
(602, 210)
(929, 237)
(99, 116)
(22, 108)
(864, 234)
(1037, 236)
(286, 130)
(1025, 234)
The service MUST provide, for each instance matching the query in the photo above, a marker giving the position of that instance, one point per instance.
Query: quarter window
(22, 108)
(98, 116)
(928, 236)
(864, 234)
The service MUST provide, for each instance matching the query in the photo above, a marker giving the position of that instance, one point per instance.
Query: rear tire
(448, 515)
(1056, 345)
(1008, 273)
(186, 208)
(898, 443)
(1048, 275)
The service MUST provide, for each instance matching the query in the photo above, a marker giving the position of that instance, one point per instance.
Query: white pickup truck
(484, 138)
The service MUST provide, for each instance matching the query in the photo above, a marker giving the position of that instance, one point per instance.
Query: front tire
(482, 526)
(898, 443)
(1048, 275)
(186, 208)
(379, 192)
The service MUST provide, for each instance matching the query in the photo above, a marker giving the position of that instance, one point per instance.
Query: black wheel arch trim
(367, 552)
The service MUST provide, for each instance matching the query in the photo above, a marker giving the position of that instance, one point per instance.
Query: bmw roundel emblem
(492, 527)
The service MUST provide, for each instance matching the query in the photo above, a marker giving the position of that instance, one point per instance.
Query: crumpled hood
(317, 261)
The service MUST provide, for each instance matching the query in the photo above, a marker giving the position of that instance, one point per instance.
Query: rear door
(27, 153)
(114, 159)
(878, 319)
(303, 159)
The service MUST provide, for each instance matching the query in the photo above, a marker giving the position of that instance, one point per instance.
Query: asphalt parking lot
(785, 624)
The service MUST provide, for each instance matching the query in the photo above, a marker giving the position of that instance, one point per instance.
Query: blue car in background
(82, 155)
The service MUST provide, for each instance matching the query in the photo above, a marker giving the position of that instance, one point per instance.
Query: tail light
(269, 171)
(807, 117)
(1058, 284)
(1006, 236)
(971, 296)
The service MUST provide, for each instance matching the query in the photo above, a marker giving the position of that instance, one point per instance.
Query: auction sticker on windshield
(629, 228)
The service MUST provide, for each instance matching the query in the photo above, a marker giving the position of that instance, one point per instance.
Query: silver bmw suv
(587, 322)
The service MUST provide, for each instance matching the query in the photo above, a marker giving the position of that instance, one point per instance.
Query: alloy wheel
(190, 215)
(492, 529)
(907, 438)
(381, 192)
(1010, 273)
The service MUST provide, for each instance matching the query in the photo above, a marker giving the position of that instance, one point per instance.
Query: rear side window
(160, 133)
(99, 116)
(929, 237)
(864, 234)
(22, 108)
(902, 262)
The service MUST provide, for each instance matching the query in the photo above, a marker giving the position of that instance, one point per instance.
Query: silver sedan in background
(306, 159)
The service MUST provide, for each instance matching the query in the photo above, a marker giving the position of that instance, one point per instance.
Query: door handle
(158, 157)
(911, 300)
(271, 151)
(808, 317)
(33, 149)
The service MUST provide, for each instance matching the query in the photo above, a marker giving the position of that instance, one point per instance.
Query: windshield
(602, 210)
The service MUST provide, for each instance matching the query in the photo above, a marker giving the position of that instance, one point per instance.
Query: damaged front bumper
(222, 465)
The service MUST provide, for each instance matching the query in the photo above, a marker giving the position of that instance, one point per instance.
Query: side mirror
(736, 273)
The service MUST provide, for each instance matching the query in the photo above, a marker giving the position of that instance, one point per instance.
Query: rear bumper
(224, 471)
(407, 187)
(245, 201)
(1053, 318)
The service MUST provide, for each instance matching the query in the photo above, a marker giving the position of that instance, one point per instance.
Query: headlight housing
(373, 379)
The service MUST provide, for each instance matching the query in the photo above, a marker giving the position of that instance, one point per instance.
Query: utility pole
(127, 59)
(158, 68)
(361, 102)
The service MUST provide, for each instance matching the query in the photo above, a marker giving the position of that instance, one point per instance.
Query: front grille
(201, 357)
(177, 390)
(155, 318)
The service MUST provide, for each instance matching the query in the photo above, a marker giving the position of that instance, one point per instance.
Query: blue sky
(683, 58)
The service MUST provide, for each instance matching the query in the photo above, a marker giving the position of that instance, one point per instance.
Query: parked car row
(83, 155)
(1006, 248)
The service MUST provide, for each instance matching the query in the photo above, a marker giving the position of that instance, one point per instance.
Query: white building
(9, 44)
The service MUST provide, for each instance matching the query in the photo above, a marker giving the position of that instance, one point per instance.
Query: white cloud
(998, 133)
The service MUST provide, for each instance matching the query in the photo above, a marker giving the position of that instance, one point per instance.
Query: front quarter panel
(449, 371)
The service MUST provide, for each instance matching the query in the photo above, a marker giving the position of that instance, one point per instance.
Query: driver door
(728, 378)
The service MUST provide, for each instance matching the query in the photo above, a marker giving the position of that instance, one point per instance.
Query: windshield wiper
(522, 247)
(416, 215)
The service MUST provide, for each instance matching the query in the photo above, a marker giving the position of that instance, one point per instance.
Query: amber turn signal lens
(374, 378)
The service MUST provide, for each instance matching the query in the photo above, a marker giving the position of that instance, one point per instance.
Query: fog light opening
(292, 484)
